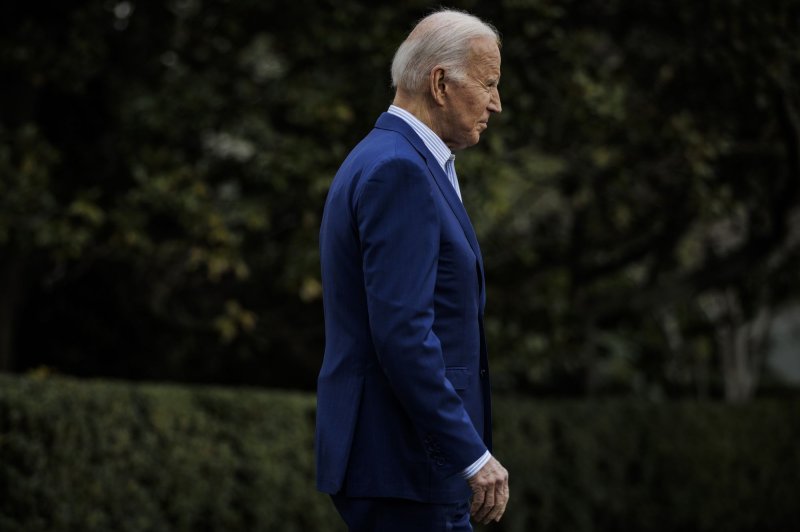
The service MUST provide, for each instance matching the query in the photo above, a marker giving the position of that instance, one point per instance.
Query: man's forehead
(485, 66)
(485, 50)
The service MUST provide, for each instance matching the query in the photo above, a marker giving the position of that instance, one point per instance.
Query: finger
(495, 514)
(501, 500)
(506, 496)
(497, 511)
(498, 505)
(488, 504)
(499, 514)
(477, 502)
(491, 515)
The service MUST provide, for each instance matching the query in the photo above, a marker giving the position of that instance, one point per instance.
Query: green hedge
(634, 466)
(110, 456)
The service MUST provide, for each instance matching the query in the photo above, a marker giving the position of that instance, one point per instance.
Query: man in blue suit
(403, 407)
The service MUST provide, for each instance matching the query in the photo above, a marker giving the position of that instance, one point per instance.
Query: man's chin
(467, 142)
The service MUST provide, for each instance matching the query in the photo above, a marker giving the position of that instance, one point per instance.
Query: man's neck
(418, 108)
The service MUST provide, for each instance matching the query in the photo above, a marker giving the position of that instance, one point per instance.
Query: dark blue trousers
(378, 514)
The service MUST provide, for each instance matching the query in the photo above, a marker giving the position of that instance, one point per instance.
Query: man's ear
(438, 86)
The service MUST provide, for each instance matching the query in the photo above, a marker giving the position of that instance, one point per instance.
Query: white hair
(440, 39)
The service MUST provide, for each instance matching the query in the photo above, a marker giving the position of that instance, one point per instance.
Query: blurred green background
(163, 167)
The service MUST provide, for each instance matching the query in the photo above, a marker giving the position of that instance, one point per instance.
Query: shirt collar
(432, 141)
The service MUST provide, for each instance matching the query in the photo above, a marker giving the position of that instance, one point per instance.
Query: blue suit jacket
(403, 394)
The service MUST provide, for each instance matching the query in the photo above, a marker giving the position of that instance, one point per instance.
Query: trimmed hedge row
(109, 456)
(112, 456)
(633, 466)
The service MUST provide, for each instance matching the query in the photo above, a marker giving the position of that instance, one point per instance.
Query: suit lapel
(394, 123)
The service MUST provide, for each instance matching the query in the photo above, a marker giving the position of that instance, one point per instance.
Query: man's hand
(489, 492)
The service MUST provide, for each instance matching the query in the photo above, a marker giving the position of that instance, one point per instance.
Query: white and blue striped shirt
(446, 159)
(437, 147)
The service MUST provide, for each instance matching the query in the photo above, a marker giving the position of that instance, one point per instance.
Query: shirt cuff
(476, 466)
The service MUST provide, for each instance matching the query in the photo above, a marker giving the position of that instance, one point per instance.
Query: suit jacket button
(483, 373)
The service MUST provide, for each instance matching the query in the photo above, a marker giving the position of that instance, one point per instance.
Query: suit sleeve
(398, 226)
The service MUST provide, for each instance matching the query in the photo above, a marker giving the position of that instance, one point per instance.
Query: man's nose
(494, 103)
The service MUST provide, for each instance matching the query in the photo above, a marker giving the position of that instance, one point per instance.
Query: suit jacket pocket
(458, 377)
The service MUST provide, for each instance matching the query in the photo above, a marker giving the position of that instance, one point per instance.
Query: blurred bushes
(163, 169)
(631, 465)
(105, 456)
(98, 456)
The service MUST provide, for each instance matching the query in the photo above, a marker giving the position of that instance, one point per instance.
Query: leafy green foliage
(625, 465)
(111, 456)
(163, 170)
